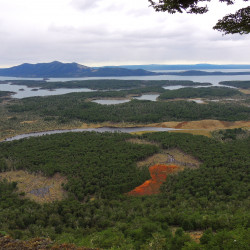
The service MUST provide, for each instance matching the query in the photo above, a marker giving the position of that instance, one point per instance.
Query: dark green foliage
(224, 174)
(199, 93)
(95, 164)
(231, 134)
(74, 106)
(237, 23)
(237, 84)
(4, 93)
(214, 196)
(107, 84)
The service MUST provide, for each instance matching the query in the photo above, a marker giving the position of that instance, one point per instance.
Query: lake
(22, 91)
(27, 92)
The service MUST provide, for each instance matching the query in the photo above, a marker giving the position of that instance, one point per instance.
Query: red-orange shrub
(159, 174)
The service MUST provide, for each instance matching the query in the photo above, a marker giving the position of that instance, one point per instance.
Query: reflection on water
(196, 100)
(100, 130)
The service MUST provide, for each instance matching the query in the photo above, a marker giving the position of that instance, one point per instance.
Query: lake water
(110, 102)
(149, 97)
(199, 101)
(22, 91)
(27, 92)
(100, 130)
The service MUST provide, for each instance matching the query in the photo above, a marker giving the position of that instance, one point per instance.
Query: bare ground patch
(172, 156)
(194, 132)
(195, 235)
(28, 122)
(245, 91)
(36, 186)
(203, 124)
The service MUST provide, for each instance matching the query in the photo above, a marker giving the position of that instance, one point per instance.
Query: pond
(110, 101)
(149, 97)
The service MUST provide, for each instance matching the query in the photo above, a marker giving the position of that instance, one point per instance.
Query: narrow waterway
(99, 130)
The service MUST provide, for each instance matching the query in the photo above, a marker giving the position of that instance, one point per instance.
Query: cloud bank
(110, 32)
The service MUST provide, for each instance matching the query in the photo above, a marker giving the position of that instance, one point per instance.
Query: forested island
(237, 84)
(102, 84)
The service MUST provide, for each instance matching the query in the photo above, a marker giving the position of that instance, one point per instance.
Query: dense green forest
(106, 84)
(94, 163)
(75, 106)
(5, 93)
(213, 198)
(237, 84)
(230, 134)
(199, 93)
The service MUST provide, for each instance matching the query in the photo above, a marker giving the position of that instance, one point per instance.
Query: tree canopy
(238, 23)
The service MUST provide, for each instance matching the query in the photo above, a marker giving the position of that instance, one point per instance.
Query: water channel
(99, 130)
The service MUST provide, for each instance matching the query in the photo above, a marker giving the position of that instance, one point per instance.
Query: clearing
(36, 186)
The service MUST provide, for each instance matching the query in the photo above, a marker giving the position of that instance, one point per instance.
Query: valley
(142, 173)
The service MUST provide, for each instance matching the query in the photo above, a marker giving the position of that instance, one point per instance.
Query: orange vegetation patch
(196, 235)
(159, 173)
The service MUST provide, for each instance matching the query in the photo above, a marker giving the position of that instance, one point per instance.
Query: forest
(4, 94)
(72, 106)
(101, 169)
(237, 84)
(199, 93)
(105, 84)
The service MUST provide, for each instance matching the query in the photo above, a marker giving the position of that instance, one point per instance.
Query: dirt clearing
(204, 124)
(172, 156)
(36, 186)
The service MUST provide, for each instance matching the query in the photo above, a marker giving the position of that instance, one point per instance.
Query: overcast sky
(114, 32)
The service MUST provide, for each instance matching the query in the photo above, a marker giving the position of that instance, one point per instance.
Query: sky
(112, 32)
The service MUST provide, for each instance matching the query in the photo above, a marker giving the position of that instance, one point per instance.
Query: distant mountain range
(58, 69)
(183, 66)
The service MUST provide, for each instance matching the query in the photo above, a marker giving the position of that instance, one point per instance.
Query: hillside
(58, 69)
(101, 168)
